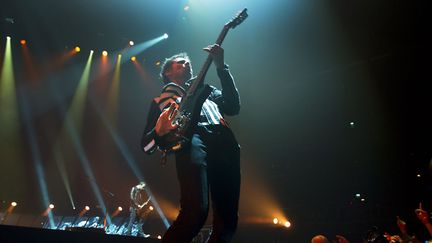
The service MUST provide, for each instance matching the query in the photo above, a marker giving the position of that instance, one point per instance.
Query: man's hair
(319, 239)
(166, 65)
(141, 185)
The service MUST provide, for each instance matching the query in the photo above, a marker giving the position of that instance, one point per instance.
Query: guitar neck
(200, 78)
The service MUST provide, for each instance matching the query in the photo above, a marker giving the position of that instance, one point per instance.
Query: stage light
(75, 110)
(77, 49)
(131, 43)
(158, 63)
(84, 211)
(116, 212)
(151, 208)
(186, 8)
(357, 195)
(418, 175)
(165, 36)
(36, 157)
(133, 59)
(104, 53)
(275, 220)
(48, 213)
(287, 224)
(23, 42)
(11, 207)
(159, 237)
(8, 37)
(362, 199)
(72, 126)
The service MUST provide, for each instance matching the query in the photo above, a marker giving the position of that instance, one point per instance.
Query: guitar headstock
(238, 19)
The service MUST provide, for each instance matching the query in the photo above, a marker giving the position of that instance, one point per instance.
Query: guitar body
(187, 119)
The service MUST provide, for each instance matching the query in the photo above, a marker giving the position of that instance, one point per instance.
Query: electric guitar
(191, 103)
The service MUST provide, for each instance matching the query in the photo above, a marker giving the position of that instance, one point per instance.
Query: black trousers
(210, 167)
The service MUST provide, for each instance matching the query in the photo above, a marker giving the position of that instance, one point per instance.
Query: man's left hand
(217, 53)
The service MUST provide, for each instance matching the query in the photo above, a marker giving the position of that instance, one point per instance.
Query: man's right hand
(165, 121)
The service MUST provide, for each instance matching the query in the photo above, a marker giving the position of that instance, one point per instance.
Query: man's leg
(131, 220)
(140, 226)
(224, 178)
(192, 176)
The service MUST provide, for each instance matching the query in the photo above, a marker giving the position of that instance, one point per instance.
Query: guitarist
(209, 166)
(138, 212)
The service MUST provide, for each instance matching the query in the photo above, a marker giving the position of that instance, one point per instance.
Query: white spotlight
(165, 36)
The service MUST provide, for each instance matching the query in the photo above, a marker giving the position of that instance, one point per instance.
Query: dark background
(305, 70)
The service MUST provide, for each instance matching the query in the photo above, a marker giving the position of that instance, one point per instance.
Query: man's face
(180, 71)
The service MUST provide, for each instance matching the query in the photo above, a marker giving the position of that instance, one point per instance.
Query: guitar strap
(170, 93)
